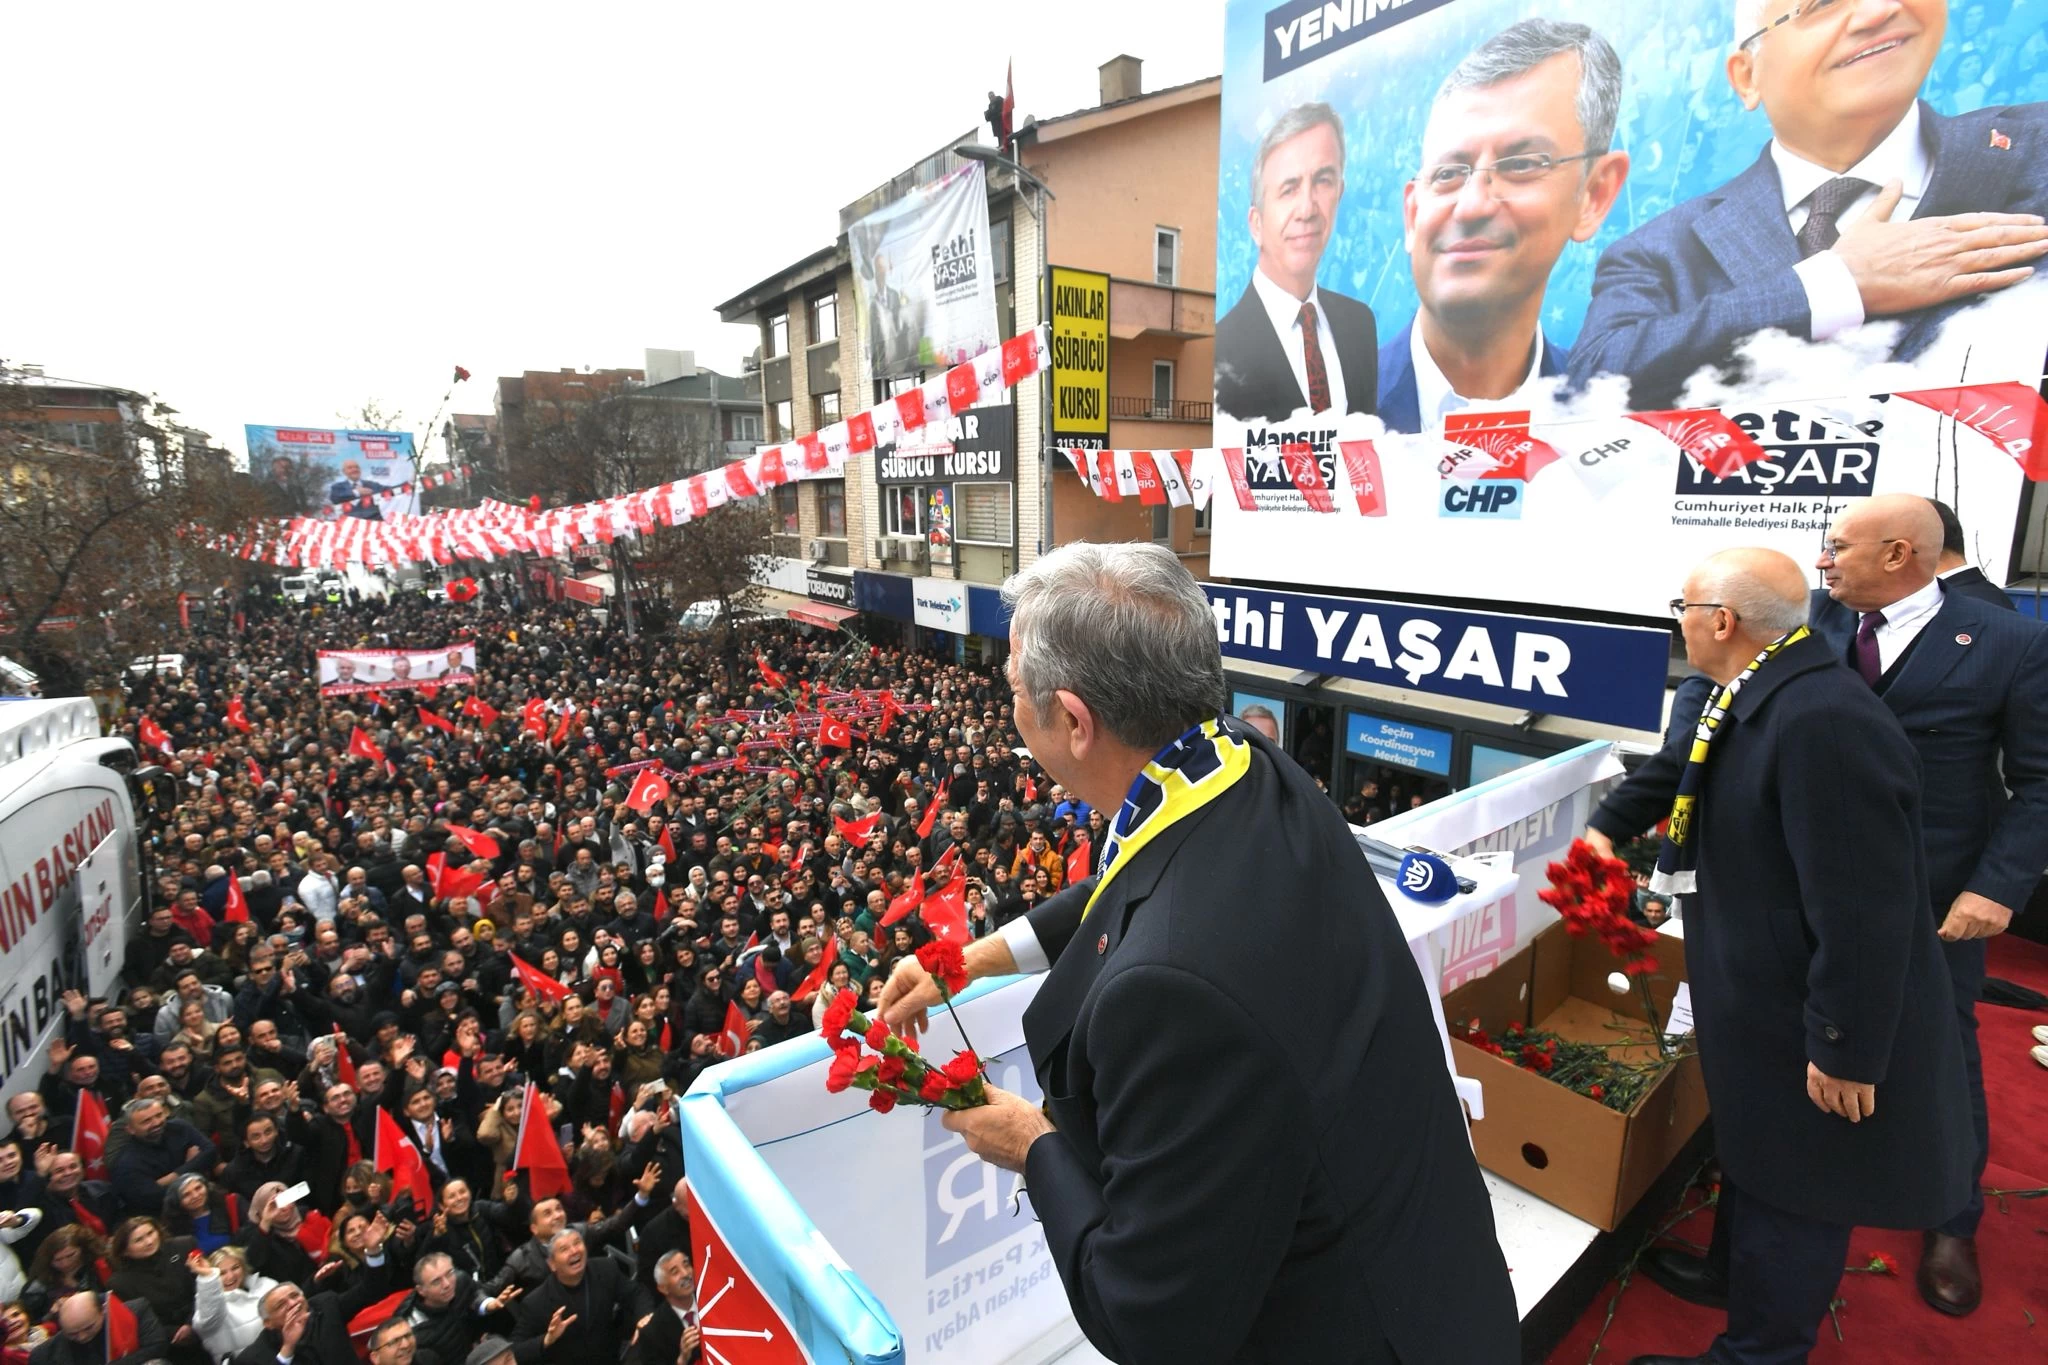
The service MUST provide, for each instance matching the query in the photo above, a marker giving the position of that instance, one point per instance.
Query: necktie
(1312, 351)
(1868, 662)
(1823, 207)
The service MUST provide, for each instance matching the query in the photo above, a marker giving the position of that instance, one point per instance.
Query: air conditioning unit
(912, 549)
(818, 552)
(885, 548)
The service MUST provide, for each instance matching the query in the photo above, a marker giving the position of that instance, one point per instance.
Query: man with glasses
(1290, 344)
(1864, 204)
(1516, 163)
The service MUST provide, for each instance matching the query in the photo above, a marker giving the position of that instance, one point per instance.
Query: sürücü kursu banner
(1440, 208)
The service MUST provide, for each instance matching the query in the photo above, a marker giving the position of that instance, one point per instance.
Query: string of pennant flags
(440, 478)
(1603, 451)
(494, 529)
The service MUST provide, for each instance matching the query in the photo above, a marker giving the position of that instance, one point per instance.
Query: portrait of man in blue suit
(1517, 161)
(1866, 204)
(351, 486)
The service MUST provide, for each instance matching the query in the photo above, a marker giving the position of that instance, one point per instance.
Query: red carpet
(1883, 1319)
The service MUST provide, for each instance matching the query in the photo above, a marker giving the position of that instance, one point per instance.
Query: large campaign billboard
(1588, 218)
(326, 472)
(923, 278)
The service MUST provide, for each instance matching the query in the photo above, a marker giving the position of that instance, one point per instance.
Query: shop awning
(822, 614)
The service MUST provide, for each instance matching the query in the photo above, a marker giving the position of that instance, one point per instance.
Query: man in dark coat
(669, 1335)
(586, 1309)
(1958, 575)
(310, 1330)
(667, 1231)
(1969, 684)
(1824, 1009)
(1207, 1190)
(82, 1334)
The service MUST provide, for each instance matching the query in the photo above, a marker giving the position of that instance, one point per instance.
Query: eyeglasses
(1835, 549)
(1679, 606)
(1449, 177)
(1810, 10)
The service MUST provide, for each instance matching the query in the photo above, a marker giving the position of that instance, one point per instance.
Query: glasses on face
(1449, 177)
(1679, 607)
(1803, 14)
(1835, 549)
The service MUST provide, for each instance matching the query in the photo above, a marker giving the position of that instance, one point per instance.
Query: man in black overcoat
(1234, 1169)
(1823, 1004)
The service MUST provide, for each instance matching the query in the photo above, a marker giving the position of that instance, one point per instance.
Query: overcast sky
(273, 214)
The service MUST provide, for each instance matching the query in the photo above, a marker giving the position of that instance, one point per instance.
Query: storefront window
(831, 507)
(903, 509)
(985, 513)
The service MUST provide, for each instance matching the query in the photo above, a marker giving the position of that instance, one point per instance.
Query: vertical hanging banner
(923, 279)
(1080, 359)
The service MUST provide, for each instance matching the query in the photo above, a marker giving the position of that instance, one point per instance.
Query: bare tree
(581, 450)
(372, 415)
(718, 558)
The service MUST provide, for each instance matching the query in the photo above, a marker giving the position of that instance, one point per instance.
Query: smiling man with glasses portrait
(1516, 163)
(1864, 204)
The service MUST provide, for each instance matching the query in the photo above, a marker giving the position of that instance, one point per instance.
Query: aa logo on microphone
(1425, 877)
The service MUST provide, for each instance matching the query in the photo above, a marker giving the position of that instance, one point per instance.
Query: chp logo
(1488, 460)
(735, 1320)
(968, 1201)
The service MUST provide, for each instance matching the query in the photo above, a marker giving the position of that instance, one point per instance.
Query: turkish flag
(668, 1035)
(562, 728)
(481, 710)
(360, 745)
(648, 788)
(538, 981)
(428, 718)
(1030, 788)
(344, 1060)
(1077, 863)
(901, 907)
(931, 817)
(856, 830)
(89, 1129)
(732, 1037)
(834, 733)
(762, 974)
(152, 734)
(768, 675)
(479, 845)
(237, 716)
(945, 910)
(667, 846)
(255, 772)
(237, 909)
(536, 1152)
(397, 1156)
(124, 1334)
(815, 982)
(534, 716)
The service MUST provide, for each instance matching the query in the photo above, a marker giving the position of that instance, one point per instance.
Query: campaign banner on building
(1080, 359)
(1503, 248)
(1613, 675)
(344, 672)
(922, 276)
(326, 472)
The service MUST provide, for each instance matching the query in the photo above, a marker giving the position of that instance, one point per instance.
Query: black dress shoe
(1685, 1276)
(1669, 1360)
(1948, 1278)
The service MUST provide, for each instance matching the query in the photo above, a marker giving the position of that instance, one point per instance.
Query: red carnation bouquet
(1594, 894)
(867, 1056)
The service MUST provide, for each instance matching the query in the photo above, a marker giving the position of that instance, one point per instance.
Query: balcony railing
(1151, 409)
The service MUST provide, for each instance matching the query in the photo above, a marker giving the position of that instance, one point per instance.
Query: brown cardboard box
(1582, 1156)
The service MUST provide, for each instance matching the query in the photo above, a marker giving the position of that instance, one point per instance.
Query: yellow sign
(1080, 358)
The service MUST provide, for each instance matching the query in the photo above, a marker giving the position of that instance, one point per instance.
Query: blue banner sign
(1385, 740)
(1612, 675)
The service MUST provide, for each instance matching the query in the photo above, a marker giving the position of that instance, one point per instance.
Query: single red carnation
(1883, 1263)
(841, 1075)
(882, 1101)
(878, 1035)
(964, 1067)
(1536, 1059)
(837, 1013)
(945, 963)
(890, 1071)
(1598, 1092)
(934, 1088)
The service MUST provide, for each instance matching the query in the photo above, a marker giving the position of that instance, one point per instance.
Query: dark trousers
(1782, 1270)
(1966, 975)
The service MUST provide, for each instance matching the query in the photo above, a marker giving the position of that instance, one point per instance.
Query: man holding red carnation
(1224, 1171)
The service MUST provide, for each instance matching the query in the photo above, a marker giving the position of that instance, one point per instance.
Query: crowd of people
(458, 914)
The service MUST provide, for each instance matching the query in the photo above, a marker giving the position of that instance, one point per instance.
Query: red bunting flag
(481, 710)
(400, 1159)
(536, 1151)
(428, 718)
(648, 789)
(538, 981)
(732, 1038)
(2013, 416)
(856, 831)
(360, 745)
(238, 716)
(237, 909)
(89, 1129)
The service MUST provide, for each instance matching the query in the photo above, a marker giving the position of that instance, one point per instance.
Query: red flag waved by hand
(834, 733)
(931, 817)
(732, 1037)
(769, 676)
(900, 908)
(398, 1157)
(563, 727)
(480, 710)
(89, 1129)
(815, 982)
(856, 831)
(238, 716)
(534, 716)
(945, 910)
(432, 721)
(536, 1152)
(237, 908)
(1077, 862)
(648, 789)
(479, 845)
(255, 771)
(344, 1061)
(152, 734)
(124, 1333)
(538, 981)
(360, 745)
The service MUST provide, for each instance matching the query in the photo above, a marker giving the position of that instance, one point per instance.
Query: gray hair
(1522, 47)
(1293, 124)
(425, 1264)
(665, 1268)
(560, 1237)
(1761, 611)
(1124, 627)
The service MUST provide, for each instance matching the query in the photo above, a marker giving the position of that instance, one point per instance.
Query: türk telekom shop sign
(1611, 675)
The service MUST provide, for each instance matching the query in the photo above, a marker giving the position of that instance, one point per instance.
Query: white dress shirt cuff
(1024, 945)
(1832, 298)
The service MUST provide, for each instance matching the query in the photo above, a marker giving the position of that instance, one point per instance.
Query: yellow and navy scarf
(1181, 779)
(1678, 861)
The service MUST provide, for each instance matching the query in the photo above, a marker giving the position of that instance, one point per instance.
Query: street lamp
(1035, 206)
